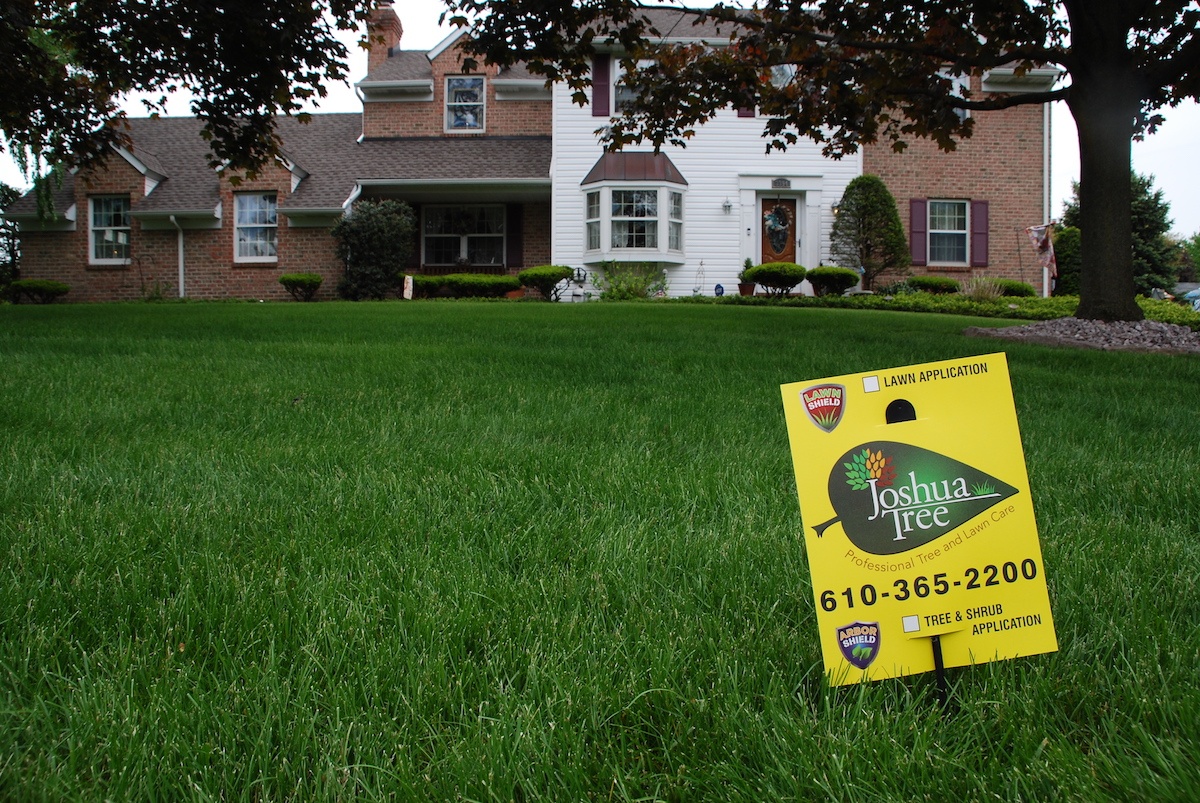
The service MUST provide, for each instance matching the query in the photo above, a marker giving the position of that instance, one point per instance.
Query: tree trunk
(1104, 101)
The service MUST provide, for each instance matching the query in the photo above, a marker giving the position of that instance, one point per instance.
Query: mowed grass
(491, 551)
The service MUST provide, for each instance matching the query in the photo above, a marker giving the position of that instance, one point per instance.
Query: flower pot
(746, 288)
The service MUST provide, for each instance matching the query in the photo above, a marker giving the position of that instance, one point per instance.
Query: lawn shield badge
(824, 405)
(859, 642)
(893, 497)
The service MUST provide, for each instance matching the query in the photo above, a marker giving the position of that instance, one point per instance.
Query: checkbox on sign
(912, 624)
(870, 384)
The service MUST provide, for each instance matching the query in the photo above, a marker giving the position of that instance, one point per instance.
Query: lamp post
(580, 278)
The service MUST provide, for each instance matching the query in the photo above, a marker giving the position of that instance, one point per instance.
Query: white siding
(726, 160)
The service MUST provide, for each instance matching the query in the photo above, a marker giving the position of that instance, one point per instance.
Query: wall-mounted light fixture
(727, 207)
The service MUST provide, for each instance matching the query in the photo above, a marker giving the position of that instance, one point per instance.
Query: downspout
(179, 249)
(1047, 215)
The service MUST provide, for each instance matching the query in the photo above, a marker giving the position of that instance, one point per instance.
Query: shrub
(981, 288)
(1067, 248)
(867, 233)
(777, 277)
(625, 281)
(39, 291)
(467, 285)
(374, 242)
(302, 286)
(831, 281)
(546, 279)
(426, 286)
(1011, 288)
(938, 285)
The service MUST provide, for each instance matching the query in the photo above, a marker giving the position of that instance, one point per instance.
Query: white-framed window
(620, 219)
(961, 87)
(465, 107)
(623, 95)
(634, 218)
(948, 232)
(110, 227)
(256, 226)
(464, 235)
(592, 220)
(675, 222)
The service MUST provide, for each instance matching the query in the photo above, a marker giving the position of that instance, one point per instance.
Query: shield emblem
(824, 405)
(859, 643)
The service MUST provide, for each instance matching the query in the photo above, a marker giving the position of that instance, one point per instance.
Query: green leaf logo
(892, 497)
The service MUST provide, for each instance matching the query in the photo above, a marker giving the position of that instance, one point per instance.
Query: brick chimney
(384, 30)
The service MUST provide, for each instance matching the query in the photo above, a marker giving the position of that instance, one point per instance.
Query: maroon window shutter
(979, 234)
(745, 112)
(514, 249)
(601, 84)
(918, 228)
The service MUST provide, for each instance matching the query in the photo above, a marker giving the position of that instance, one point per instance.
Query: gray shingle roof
(404, 65)
(329, 151)
(674, 24)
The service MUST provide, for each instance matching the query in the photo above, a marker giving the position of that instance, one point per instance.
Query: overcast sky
(1172, 155)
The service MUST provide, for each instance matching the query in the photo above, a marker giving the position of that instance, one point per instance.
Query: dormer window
(465, 96)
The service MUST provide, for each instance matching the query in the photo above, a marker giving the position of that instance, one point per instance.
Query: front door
(778, 230)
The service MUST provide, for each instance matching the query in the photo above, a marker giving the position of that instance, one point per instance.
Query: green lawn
(490, 551)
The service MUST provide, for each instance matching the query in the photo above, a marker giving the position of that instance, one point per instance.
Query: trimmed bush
(466, 285)
(546, 279)
(301, 286)
(830, 280)
(777, 277)
(39, 291)
(938, 285)
(1011, 288)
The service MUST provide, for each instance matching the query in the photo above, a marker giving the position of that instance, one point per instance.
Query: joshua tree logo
(893, 497)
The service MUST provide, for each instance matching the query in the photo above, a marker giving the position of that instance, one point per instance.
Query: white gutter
(179, 248)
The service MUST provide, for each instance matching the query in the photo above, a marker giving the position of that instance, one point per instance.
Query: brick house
(505, 173)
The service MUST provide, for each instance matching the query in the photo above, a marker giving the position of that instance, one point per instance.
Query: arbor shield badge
(918, 528)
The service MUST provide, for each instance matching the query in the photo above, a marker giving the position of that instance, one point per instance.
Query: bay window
(634, 222)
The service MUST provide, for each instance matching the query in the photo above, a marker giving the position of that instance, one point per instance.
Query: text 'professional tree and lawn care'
(918, 528)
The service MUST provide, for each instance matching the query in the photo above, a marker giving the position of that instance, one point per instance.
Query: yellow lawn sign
(920, 532)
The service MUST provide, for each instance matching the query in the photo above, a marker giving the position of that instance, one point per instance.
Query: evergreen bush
(374, 242)
(39, 291)
(1011, 288)
(829, 280)
(1067, 247)
(546, 279)
(938, 285)
(466, 285)
(302, 286)
(777, 277)
(867, 234)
